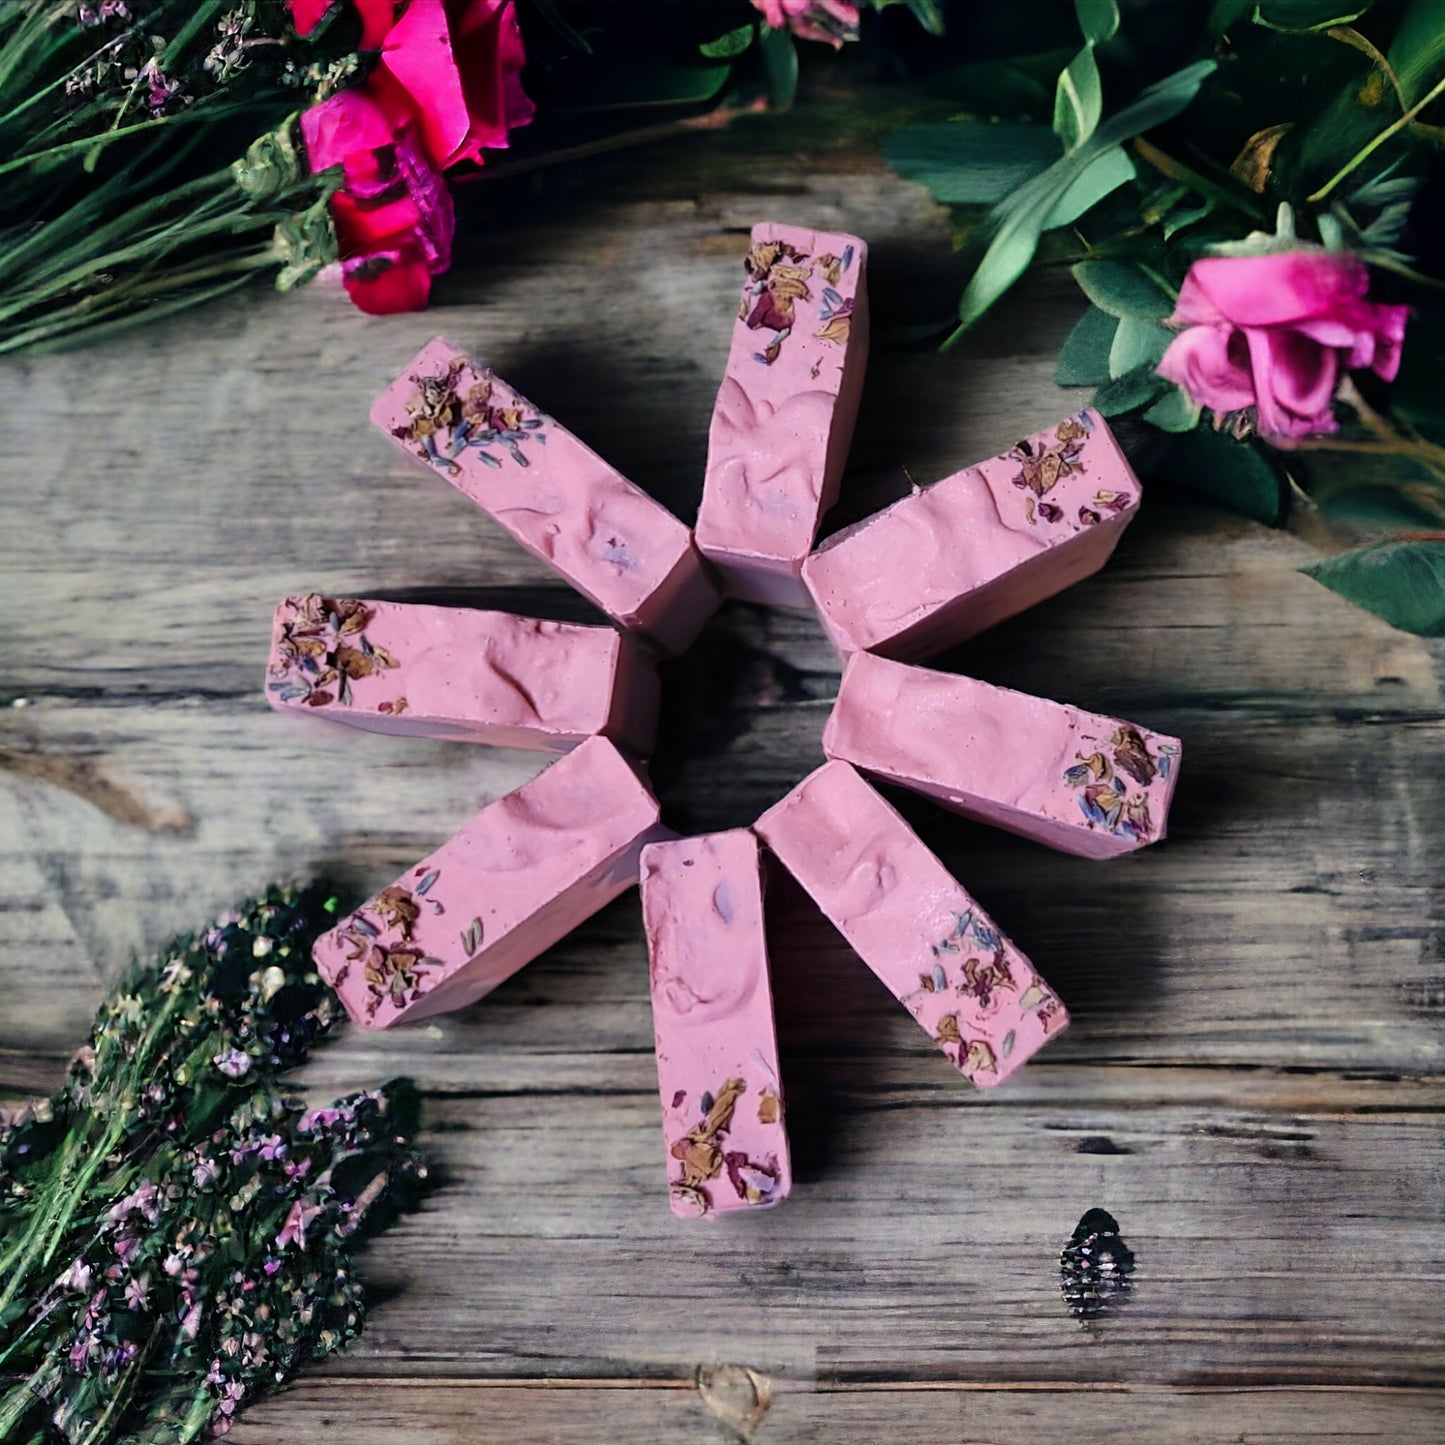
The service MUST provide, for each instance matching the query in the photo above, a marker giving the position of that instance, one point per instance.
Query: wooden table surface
(1253, 1080)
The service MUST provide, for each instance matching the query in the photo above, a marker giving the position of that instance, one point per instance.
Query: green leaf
(1137, 342)
(1403, 582)
(1131, 391)
(1022, 217)
(1418, 49)
(969, 162)
(1297, 16)
(734, 43)
(656, 85)
(1078, 99)
(1175, 411)
(1382, 507)
(1226, 13)
(1084, 360)
(1177, 220)
(1102, 176)
(1098, 19)
(1123, 289)
(780, 64)
(928, 14)
(1235, 473)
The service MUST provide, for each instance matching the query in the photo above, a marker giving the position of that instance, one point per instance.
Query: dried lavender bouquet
(176, 1231)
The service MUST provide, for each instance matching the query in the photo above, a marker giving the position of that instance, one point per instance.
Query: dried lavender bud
(1095, 1266)
(176, 1232)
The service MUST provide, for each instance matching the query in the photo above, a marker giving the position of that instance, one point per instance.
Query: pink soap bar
(912, 923)
(1075, 780)
(557, 497)
(784, 416)
(519, 876)
(949, 560)
(453, 672)
(712, 1012)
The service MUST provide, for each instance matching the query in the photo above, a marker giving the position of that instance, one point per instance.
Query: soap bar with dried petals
(784, 415)
(455, 672)
(616, 545)
(519, 876)
(1075, 780)
(951, 559)
(912, 923)
(712, 1012)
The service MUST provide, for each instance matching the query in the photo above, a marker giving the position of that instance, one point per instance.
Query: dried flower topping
(322, 649)
(778, 278)
(703, 1159)
(1042, 469)
(443, 423)
(1103, 782)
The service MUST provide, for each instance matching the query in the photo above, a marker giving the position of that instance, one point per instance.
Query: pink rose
(1273, 332)
(831, 21)
(457, 66)
(377, 17)
(393, 215)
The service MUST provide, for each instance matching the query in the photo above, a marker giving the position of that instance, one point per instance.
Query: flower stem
(1365, 152)
(1176, 170)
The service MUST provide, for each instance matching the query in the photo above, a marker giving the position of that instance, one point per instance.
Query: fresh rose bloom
(1275, 331)
(456, 65)
(393, 215)
(831, 21)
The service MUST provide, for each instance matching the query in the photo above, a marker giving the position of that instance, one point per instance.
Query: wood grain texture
(382, 1412)
(1253, 1081)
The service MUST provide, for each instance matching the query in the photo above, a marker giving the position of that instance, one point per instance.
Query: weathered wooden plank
(1253, 1080)
(460, 1412)
(1291, 917)
(921, 1242)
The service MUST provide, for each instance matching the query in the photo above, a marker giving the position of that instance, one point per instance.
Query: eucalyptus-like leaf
(1103, 176)
(1098, 19)
(1175, 411)
(730, 44)
(1130, 392)
(1084, 360)
(1022, 218)
(1078, 99)
(1401, 581)
(1385, 508)
(1138, 341)
(1417, 53)
(929, 15)
(780, 65)
(1235, 473)
(1123, 289)
(1185, 216)
(969, 162)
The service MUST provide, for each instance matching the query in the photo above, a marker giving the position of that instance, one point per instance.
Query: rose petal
(350, 122)
(1294, 382)
(1272, 290)
(386, 282)
(1390, 323)
(1211, 363)
(377, 18)
(491, 57)
(306, 15)
(418, 55)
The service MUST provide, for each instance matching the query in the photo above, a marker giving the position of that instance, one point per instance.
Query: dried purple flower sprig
(176, 1231)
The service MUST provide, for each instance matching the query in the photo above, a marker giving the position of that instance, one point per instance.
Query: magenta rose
(393, 214)
(1275, 331)
(831, 21)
